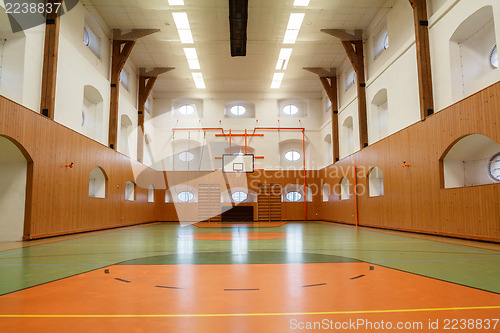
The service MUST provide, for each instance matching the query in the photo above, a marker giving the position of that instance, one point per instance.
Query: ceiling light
(295, 21)
(182, 24)
(277, 78)
(283, 59)
(301, 3)
(181, 2)
(292, 30)
(192, 57)
(198, 80)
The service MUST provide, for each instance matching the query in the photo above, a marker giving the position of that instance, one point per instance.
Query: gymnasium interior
(249, 166)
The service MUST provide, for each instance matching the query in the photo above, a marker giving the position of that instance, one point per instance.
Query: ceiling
(267, 23)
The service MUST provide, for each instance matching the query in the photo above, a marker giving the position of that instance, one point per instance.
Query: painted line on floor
(255, 314)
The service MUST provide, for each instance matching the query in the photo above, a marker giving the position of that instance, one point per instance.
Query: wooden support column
(147, 81)
(50, 58)
(353, 45)
(329, 81)
(423, 58)
(122, 47)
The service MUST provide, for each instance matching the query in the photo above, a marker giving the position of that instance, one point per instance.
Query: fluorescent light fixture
(182, 24)
(192, 58)
(181, 2)
(301, 3)
(283, 59)
(292, 30)
(295, 21)
(198, 80)
(277, 78)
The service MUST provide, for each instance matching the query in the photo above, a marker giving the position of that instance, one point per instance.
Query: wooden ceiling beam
(133, 35)
(322, 72)
(157, 71)
(343, 35)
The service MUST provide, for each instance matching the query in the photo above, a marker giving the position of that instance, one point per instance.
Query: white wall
(13, 172)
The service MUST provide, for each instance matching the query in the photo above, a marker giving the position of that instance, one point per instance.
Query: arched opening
(329, 149)
(92, 114)
(97, 183)
(344, 189)
(125, 131)
(379, 116)
(376, 182)
(16, 174)
(151, 193)
(129, 191)
(325, 192)
(168, 196)
(471, 47)
(348, 136)
(470, 161)
(12, 59)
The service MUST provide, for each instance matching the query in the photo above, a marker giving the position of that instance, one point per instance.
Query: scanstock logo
(26, 14)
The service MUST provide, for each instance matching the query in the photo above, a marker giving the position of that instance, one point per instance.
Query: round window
(186, 156)
(293, 196)
(494, 57)
(290, 109)
(86, 37)
(494, 167)
(186, 110)
(239, 196)
(83, 118)
(292, 155)
(238, 110)
(185, 196)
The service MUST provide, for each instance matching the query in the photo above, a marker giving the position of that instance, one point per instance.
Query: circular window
(238, 110)
(239, 196)
(86, 37)
(494, 57)
(292, 155)
(290, 109)
(186, 110)
(386, 41)
(83, 118)
(185, 196)
(293, 196)
(186, 156)
(494, 167)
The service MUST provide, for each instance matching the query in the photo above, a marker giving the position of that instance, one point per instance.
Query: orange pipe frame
(302, 129)
(356, 195)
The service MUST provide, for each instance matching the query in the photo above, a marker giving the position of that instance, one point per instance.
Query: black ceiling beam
(238, 19)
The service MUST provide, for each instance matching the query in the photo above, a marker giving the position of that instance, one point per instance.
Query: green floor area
(167, 243)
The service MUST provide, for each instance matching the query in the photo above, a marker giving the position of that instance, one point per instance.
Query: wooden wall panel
(60, 201)
(413, 198)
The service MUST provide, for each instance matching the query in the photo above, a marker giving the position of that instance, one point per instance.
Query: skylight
(283, 59)
(182, 24)
(292, 30)
(198, 80)
(277, 78)
(192, 58)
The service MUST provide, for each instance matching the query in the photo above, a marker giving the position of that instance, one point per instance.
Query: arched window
(344, 189)
(376, 182)
(379, 116)
(239, 196)
(470, 161)
(329, 149)
(168, 196)
(97, 183)
(325, 192)
(92, 114)
(129, 191)
(473, 54)
(125, 132)
(348, 136)
(151, 193)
